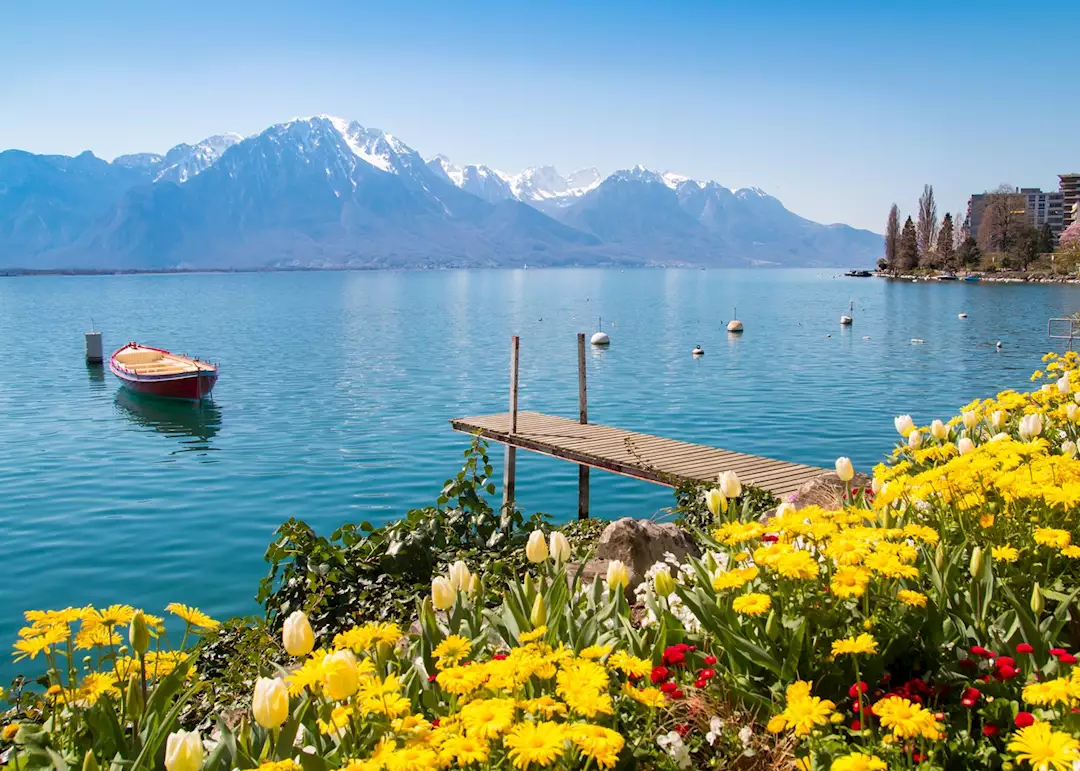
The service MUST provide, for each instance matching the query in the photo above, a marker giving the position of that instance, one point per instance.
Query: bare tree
(961, 230)
(1003, 221)
(892, 237)
(926, 228)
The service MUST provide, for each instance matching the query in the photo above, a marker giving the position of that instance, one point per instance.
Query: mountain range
(326, 192)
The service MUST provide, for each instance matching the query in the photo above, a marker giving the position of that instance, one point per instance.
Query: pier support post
(510, 466)
(583, 471)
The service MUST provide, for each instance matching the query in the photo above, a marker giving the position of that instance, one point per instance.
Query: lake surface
(336, 389)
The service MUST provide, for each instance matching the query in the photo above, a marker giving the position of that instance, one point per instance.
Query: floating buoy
(828, 335)
(917, 341)
(599, 337)
(734, 325)
(845, 321)
(866, 337)
(999, 344)
(698, 351)
(961, 315)
(93, 348)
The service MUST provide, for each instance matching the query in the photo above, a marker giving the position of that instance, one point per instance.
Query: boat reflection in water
(194, 424)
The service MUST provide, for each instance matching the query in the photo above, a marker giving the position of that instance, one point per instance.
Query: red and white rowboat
(156, 372)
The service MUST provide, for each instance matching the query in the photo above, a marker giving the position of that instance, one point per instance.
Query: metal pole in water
(583, 471)
(510, 468)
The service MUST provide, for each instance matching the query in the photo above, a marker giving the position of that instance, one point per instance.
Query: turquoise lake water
(336, 389)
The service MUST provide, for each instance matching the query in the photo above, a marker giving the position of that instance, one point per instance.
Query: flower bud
(442, 593)
(1063, 385)
(536, 549)
(340, 675)
(970, 419)
(730, 485)
(1038, 604)
(559, 546)
(617, 575)
(965, 445)
(270, 702)
(715, 501)
(474, 585)
(663, 583)
(844, 469)
(1072, 410)
(977, 565)
(459, 576)
(939, 557)
(296, 634)
(939, 430)
(914, 440)
(183, 751)
(904, 425)
(998, 419)
(772, 625)
(134, 699)
(1068, 448)
(877, 485)
(90, 762)
(138, 634)
(538, 616)
(530, 585)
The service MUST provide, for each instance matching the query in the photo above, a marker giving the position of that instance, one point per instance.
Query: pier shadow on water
(193, 424)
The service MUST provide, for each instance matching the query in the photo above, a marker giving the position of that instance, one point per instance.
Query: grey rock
(640, 544)
(825, 491)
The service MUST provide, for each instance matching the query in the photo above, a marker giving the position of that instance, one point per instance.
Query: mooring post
(583, 410)
(510, 467)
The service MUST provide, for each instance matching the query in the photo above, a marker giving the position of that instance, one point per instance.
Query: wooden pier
(641, 456)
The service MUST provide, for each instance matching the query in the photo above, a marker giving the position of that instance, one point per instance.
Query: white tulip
(1047, 388)
(296, 634)
(999, 419)
(1064, 387)
(270, 702)
(844, 469)
(970, 419)
(1076, 397)
(876, 485)
(914, 440)
(1030, 426)
(442, 593)
(730, 485)
(536, 549)
(183, 751)
(785, 509)
(965, 446)
(999, 437)
(939, 430)
(560, 547)
(460, 577)
(1071, 411)
(904, 424)
(1068, 448)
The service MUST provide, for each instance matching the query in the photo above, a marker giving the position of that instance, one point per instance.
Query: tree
(1046, 239)
(946, 254)
(1026, 249)
(1070, 237)
(892, 237)
(926, 230)
(907, 255)
(961, 231)
(968, 254)
(1003, 222)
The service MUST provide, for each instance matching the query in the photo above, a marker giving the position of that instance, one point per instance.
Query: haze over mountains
(325, 192)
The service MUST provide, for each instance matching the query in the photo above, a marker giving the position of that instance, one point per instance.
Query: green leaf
(791, 663)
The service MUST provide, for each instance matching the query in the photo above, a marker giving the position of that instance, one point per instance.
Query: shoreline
(1034, 277)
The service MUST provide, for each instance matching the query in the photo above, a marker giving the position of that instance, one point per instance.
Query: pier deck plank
(642, 456)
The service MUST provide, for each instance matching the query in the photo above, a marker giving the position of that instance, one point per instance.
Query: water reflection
(194, 424)
(96, 374)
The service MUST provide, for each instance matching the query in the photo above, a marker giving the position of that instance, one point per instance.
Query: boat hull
(192, 387)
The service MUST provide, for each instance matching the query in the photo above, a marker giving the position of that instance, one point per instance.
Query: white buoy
(999, 344)
(600, 337)
(845, 321)
(961, 315)
(94, 353)
(735, 325)
(698, 351)
(917, 341)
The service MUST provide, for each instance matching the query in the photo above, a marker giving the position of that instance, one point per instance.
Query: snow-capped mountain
(324, 191)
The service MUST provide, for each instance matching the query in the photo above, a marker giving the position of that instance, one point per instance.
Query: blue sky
(838, 109)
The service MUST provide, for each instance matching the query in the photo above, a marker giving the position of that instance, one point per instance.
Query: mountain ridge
(328, 192)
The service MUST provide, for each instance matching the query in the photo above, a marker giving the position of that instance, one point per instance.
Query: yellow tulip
(183, 751)
(977, 565)
(663, 583)
(715, 502)
(965, 445)
(442, 593)
(538, 617)
(138, 634)
(560, 547)
(1038, 604)
(970, 419)
(270, 702)
(296, 634)
(536, 549)
(340, 675)
(460, 576)
(730, 485)
(939, 430)
(617, 575)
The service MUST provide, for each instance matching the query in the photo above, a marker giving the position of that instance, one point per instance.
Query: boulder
(640, 544)
(825, 491)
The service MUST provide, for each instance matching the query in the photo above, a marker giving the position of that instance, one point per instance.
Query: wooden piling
(510, 466)
(583, 411)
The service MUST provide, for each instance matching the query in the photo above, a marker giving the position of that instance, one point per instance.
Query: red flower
(1003, 661)
(856, 725)
(917, 757)
(983, 679)
(1024, 648)
(499, 657)
(435, 722)
(431, 678)
(978, 650)
(1057, 651)
(1023, 719)
(939, 716)
(1007, 672)
(700, 682)
(710, 660)
(659, 675)
(886, 677)
(855, 690)
(682, 729)
(676, 694)
(770, 537)
(855, 706)
(675, 654)
(990, 729)
(707, 674)
(970, 696)
(669, 687)
(967, 663)
(691, 648)
(1067, 658)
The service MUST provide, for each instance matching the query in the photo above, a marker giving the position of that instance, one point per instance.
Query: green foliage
(692, 514)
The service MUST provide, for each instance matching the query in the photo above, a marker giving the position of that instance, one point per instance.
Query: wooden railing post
(510, 467)
(583, 411)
